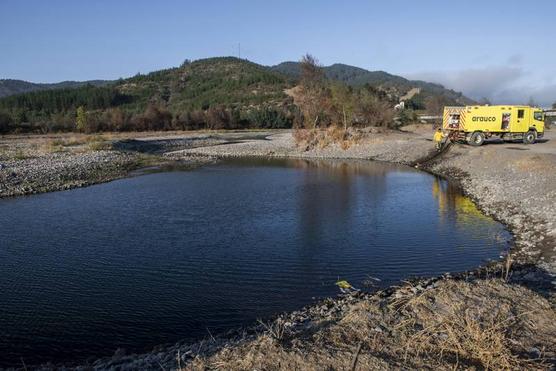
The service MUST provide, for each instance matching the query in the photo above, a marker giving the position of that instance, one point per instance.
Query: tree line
(155, 117)
(103, 109)
(62, 100)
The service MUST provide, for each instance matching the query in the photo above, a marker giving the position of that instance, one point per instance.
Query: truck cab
(536, 121)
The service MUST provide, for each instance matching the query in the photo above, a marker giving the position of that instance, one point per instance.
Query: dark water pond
(169, 256)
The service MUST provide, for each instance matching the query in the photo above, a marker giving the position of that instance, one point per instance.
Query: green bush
(5, 122)
(268, 118)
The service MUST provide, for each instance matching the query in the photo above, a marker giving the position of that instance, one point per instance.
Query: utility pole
(239, 50)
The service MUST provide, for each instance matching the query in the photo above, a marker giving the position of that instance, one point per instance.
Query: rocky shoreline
(62, 171)
(528, 211)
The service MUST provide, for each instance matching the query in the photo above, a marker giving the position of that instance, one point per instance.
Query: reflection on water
(166, 256)
(450, 199)
(452, 204)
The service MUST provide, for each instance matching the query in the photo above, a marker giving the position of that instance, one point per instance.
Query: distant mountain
(12, 87)
(357, 76)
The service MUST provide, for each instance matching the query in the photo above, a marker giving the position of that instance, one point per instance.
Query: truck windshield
(538, 116)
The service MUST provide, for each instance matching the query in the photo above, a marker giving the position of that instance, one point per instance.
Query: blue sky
(503, 50)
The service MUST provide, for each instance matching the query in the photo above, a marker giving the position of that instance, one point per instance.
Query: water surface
(171, 256)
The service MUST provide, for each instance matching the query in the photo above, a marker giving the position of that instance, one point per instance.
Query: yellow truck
(475, 124)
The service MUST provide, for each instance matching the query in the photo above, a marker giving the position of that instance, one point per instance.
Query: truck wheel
(530, 137)
(477, 138)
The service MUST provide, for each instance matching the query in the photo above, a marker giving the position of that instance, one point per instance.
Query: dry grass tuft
(21, 154)
(463, 334)
(276, 330)
(53, 146)
(77, 142)
(63, 144)
(480, 325)
(99, 143)
(310, 139)
(486, 324)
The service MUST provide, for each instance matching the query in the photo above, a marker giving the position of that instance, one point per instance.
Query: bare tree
(435, 104)
(324, 103)
(314, 95)
(373, 111)
(217, 118)
(344, 104)
(311, 71)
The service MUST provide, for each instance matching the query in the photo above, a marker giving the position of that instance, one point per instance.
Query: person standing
(438, 138)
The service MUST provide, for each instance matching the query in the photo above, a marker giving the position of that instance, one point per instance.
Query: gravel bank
(35, 164)
(59, 171)
(393, 146)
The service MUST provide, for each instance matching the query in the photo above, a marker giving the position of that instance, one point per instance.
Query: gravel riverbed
(61, 171)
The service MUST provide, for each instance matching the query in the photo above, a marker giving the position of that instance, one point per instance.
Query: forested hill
(398, 85)
(206, 83)
(12, 87)
(213, 93)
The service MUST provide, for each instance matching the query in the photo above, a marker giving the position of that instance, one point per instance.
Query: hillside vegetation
(214, 93)
(396, 86)
(12, 87)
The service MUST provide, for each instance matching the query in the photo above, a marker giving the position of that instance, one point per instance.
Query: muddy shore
(511, 182)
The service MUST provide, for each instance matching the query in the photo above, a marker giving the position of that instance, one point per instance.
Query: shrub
(5, 122)
(155, 117)
(268, 118)
(81, 119)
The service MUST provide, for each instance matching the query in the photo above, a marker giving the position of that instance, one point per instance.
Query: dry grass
(53, 146)
(309, 139)
(506, 269)
(277, 329)
(487, 324)
(78, 142)
(463, 335)
(21, 154)
(37, 146)
(99, 143)
(63, 143)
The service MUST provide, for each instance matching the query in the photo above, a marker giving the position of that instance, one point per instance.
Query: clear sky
(504, 50)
